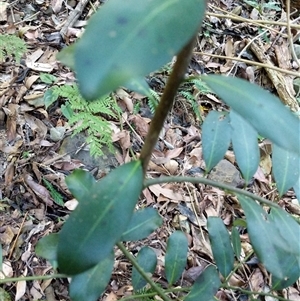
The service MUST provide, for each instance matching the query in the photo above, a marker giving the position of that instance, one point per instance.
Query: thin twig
(30, 278)
(166, 101)
(17, 237)
(296, 74)
(128, 255)
(255, 22)
(176, 179)
(289, 32)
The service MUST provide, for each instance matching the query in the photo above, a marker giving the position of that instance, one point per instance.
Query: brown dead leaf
(124, 139)
(157, 190)
(3, 12)
(7, 236)
(11, 112)
(41, 67)
(293, 294)
(172, 166)
(257, 281)
(111, 297)
(126, 98)
(21, 287)
(259, 175)
(174, 153)
(36, 125)
(148, 196)
(71, 205)
(56, 5)
(31, 80)
(10, 149)
(39, 190)
(7, 270)
(141, 124)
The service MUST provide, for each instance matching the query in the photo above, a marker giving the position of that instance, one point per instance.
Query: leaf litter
(29, 155)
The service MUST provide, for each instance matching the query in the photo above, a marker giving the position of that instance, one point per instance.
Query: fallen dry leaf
(39, 190)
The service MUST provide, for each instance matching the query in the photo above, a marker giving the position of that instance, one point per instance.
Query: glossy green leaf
(102, 215)
(220, 245)
(67, 56)
(127, 39)
(205, 286)
(286, 168)
(48, 78)
(296, 188)
(285, 224)
(142, 224)
(139, 85)
(216, 134)
(236, 242)
(245, 146)
(47, 248)
(261, 109)
(146, 258)
(81, 183)
(88, 286)
(271, 240)
(176, 256)
(49, 98)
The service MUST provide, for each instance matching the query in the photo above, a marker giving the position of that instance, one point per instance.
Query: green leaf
(66, 56)
(275, 239)
(176, 256)
(102, 215)
(67, 110)
(220, 245)
(49, 98)
(48, 78)
(290, 262)
(236, 242)
(260, 108)
(136, 39)
(143, 223)
(47, 248)
(245, 146)
(88, 286)
(286, 167)
(146, 258)
(205, 286)
(81, 183)
(216, 133)
(139, 85)
(296, 188)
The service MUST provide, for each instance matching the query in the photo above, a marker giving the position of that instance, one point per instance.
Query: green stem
(155, 287)
(153, 294)
(149, 182)
(166, 101)
(30, 278)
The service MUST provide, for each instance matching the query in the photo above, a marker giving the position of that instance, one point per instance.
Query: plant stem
(155, 287)
(166, 102)
(151, 294)
(29, 278)
(149, 182)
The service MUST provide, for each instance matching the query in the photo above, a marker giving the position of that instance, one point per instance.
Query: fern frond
(191, 99)
(57, 197)
(11, 45)
(153, 100)
(200, 85)
(88, 117)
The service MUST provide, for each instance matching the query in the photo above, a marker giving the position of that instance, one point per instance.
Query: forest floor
(35, 156)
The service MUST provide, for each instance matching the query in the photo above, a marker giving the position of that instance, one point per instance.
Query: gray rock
(226, 173)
